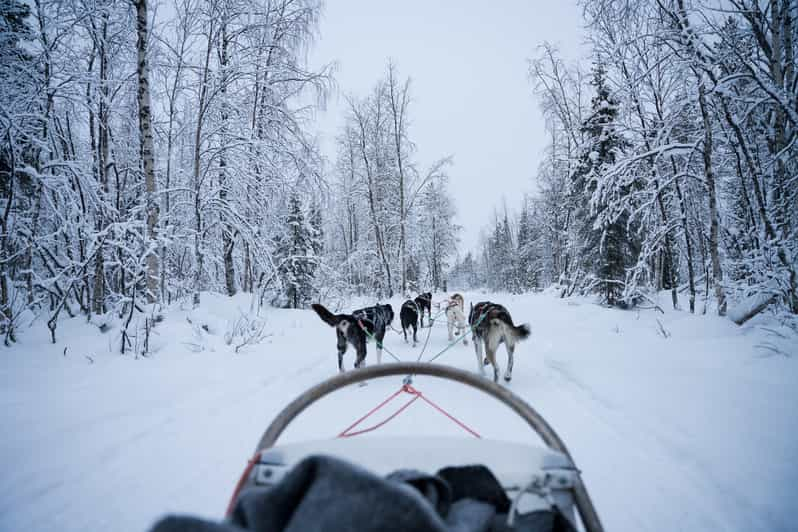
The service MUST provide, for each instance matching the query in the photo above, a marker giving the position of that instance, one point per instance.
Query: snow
(696, 431)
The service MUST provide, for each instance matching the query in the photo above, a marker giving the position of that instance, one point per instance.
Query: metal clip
(540, 487)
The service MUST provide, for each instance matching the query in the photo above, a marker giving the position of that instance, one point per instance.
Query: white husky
(455, 317)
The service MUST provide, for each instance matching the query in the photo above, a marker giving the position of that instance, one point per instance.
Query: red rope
(447, 414)
(346, 434)
(406, 388)
(356, 423)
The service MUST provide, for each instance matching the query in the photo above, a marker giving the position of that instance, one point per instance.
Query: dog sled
(312, 484)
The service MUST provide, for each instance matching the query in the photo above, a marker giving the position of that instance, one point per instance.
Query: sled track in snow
(653, 451)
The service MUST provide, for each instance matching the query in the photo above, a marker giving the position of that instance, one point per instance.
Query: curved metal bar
(519, 406)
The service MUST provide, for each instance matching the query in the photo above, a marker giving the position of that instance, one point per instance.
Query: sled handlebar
(587, 512)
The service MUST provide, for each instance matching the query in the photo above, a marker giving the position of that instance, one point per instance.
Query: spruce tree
(299, 247)
(601, 220)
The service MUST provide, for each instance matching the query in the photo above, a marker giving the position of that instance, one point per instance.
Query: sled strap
(346, 432)
(408, 389)
(379, 344)
(442, 411)
(429, 333)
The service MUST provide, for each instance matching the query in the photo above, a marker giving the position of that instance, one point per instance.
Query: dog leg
(341, 350)
(380, 338)
(491, 346)
(491, 358)
(415, 340)
(404, 331)
(478, 351)
(450, 327)
(361, 354)
(508, 375)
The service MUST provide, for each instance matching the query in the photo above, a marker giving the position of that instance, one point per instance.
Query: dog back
(424, 301)
(380, 316)
(485, 313)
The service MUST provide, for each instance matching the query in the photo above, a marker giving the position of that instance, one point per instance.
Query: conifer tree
(299, 247)
(602, 218)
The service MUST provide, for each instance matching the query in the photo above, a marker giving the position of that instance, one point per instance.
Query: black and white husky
(424, 301)
(491, 323)
(357, 328)
(408, 315)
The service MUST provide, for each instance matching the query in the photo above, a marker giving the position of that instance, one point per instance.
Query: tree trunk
(6, 312)
(227, 232)
(372, 207)
(146, 152)
(687, 243)
(398, 115)
(709, 176)
(102, 165)
(668, 263)
(378, 235)
(201, 108)
(247, 274)
(777, 131)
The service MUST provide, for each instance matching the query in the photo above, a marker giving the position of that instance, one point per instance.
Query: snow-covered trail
(693, 432)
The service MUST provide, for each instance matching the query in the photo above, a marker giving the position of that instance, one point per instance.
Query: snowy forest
(672, 163)
(148, 155)
(215, 214)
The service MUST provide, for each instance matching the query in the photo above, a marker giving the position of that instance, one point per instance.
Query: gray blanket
(323, 494)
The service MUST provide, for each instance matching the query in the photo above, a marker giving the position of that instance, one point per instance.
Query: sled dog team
(490, 323)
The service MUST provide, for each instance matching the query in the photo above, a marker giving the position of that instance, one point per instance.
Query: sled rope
(379, 344)
(346, 433)
(408, 389)
(456, 340)
(444, 412)
(429, 333)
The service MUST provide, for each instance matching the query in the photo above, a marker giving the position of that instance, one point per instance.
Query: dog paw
(508, 378)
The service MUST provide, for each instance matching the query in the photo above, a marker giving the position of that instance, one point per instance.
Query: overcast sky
(472, 97)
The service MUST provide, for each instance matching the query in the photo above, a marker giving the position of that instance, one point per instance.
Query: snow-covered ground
(696, 431)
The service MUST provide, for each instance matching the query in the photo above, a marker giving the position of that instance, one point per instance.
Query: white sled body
(534, 477)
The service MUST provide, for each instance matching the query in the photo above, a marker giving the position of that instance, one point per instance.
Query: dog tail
(521, 332)
(326, 316)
